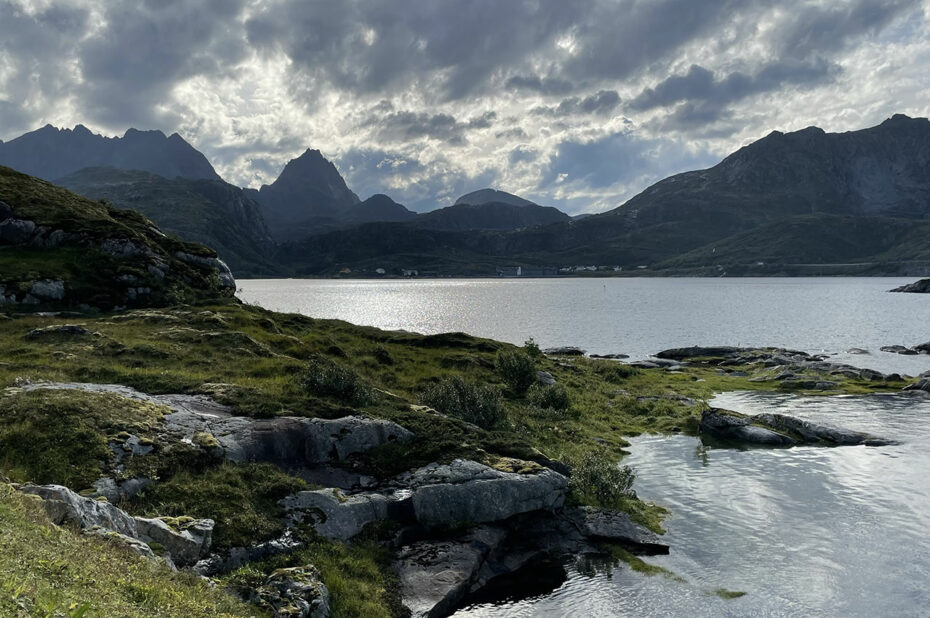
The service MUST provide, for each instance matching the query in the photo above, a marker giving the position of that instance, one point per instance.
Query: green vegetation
(327, 378)
(553, 397)
(597, 479)
(48, 570)
(638, 564)
(241, 498)
(479, 404)
(517, 369)
(723, 593)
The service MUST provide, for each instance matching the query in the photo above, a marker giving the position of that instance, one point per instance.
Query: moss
(638, 564)
(55, 436)
(205, 440)
(241, 498)
(51, 571)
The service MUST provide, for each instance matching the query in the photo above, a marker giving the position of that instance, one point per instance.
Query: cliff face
(59, 250)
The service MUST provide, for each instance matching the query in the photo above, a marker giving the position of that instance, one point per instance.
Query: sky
(575, 104)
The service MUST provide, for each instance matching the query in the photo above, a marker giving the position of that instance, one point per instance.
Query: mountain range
(854, 202)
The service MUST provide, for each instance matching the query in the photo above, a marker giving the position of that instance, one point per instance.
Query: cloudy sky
(578, 104)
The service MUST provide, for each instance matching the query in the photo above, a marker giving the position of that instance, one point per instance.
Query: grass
(638, 564)
(48, 570)
(723, 593)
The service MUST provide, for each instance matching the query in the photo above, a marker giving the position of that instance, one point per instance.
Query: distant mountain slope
(489, 216)
(308, 191)
(378, 207)
(211, 212)
(59, 250)
(51, 153)
(487, 196)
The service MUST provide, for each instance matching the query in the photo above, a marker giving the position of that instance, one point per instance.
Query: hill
(59, 250)
(207, 211)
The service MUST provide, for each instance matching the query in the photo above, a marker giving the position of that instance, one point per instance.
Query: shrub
(532, 349)
(554, 397)
(326, 378)
(382, 355)
(615, 372)
(516, 369)
(597, 479)
(473, 403)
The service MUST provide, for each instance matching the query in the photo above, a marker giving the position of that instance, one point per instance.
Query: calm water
(632, 316)
(803, 531)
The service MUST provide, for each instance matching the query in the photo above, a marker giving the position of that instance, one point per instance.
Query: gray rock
(236, 557)
(898, 349)
(124, 248)
(436, 575)
(296, 592)
(780, 430)
(185, 546)
(49, 289)
(923, 348)
(468, 492)
(857, 351)
(813, 433)
(922, 384)
(680, 354)
(614, 526)
(107, 488)
(16, 231)
(564, 351)
(611, 356)
(918, 287)
(222, 270)
(58, 329)
(732, 426)
(336, 515)
(545, 378)
(135, 545)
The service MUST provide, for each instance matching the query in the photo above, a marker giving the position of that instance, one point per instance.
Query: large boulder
(336, 515)
(186, 543)
(922, 384)
(918, 287)
(814, 433)
(679, 354)
(733, 426)
(596, 523)
(780, 430)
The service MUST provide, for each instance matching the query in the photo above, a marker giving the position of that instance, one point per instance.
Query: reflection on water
(806, 531)
(638, 316)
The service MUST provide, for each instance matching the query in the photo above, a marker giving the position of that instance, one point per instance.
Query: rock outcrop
(185, 544)
(296, 592)
(918, 287)
(779, 430)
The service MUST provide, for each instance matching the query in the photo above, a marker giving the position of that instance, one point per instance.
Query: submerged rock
(922, 384)
(898, 349)
(593, 522)
(564, 351)
(698, 351)
(780, 430)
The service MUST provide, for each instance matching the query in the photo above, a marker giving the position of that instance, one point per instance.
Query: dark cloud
(406, 126)
(702, 89)
(542, 85)
(602, 102)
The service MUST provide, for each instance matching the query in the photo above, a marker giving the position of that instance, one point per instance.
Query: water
(632, 316)
(805, 531)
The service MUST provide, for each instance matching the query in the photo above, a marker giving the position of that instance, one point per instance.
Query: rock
(733, 426)
(545, 378)
(614, 526)
(469, 492)
(923, 348)
(436, 575)
(611, 356)
(898, 349)
(107, 488)
(135, 545)
(222, 270)
(857, 351)
(564, 351)
(812, 433)
(49, 289)
(239, 556)
(296, 592)
(918, 287)
(185, 546)
(785, 375)
(922, 384)
(16, 231)
(644, 364)
(680, 354)
(336, 515)
(58, 329)
(871, 375)
(6, 211)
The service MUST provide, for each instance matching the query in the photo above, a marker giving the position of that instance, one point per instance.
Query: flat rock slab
(780, 430)
(596, 523)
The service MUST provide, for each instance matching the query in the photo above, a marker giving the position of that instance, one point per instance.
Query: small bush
(516, 369)
(615, 372)
(597, 479)
(554, 397)
(382, 355)
(473, 403)
(326, 378)
(532, 349)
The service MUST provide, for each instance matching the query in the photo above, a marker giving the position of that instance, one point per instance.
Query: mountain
(207, 211)
(308, 192)
(788, 200)
(489, 216)
(488, 196)
(378, 207)
(59, 250)
(51, 153)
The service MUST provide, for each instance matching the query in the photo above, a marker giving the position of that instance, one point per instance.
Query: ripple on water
(805, 531)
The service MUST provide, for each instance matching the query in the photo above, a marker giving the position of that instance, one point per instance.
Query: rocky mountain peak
(489, 195)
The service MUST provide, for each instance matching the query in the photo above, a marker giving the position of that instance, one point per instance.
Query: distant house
(380, 271)
(509, 271)
(544, 271)
(406, 272)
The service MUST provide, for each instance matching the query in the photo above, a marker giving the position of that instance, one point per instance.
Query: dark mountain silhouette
(488, 196)
(489, 216)
(51, 153)
(378, 207)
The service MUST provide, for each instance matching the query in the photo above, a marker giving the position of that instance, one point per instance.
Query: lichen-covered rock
(614, 526)
(732, 426)
(135, 545)
(236, 557)
(74, 330)
(296, 592)
(185, 545)
(335, 515)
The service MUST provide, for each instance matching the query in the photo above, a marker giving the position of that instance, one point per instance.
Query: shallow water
(806, 531)
(637, 317)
